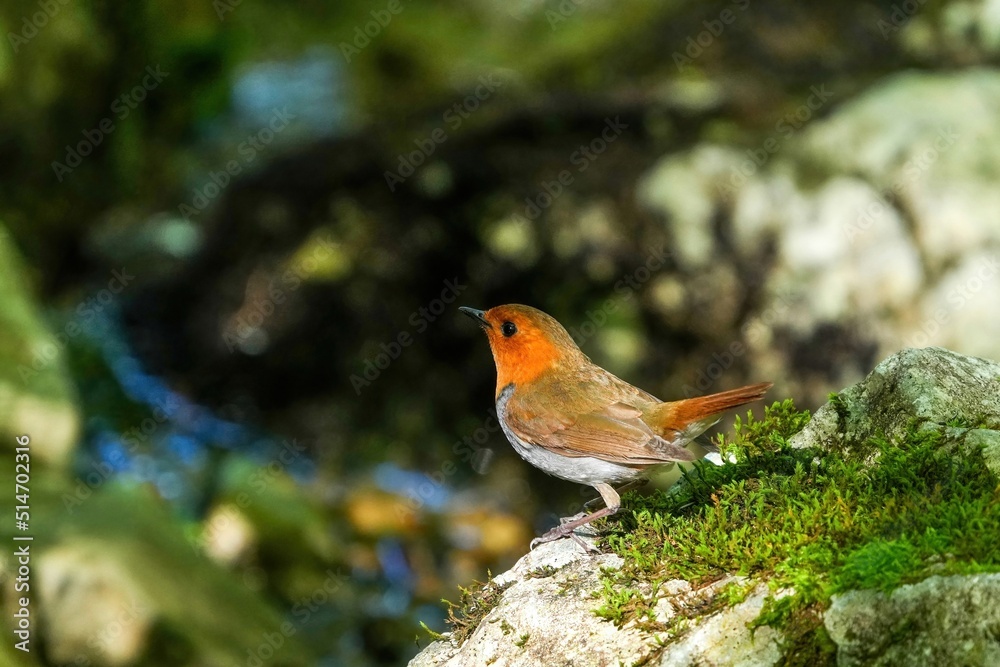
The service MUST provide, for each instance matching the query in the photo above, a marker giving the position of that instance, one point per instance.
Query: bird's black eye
(508, 329)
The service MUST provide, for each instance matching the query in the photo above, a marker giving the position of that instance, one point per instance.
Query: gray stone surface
(556, 613)
(937, 622)
(932, 385)
(723, 639)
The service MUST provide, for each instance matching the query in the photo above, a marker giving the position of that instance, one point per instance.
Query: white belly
(583, 470)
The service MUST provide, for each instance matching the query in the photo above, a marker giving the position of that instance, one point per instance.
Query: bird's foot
(562, 531)
(568, 519)
(565, 529)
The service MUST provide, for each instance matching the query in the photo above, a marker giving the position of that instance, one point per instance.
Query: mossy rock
(939, 390)
(883, 501)
(37, 397)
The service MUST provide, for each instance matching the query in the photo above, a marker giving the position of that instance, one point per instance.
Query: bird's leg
(627, 486)
(591, 504)
(612, 504)
(567, 519)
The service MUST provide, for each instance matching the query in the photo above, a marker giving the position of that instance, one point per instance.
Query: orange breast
(525, 363)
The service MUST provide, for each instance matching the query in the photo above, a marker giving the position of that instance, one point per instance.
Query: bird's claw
(560, 532)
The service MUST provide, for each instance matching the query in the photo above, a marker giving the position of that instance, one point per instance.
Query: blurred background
(234, 236)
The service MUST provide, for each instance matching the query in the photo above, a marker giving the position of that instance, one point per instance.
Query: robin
(576, 421)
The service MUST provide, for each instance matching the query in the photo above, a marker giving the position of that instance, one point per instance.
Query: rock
(939, 621)
(683, 188)
(913, 138)
(958, 312)
(932, 385)
(94, 610)
(883, 203)
(724, 639)
(930, 167)
(989, 441)
(546, 617)
(550, 611)
(847, 273)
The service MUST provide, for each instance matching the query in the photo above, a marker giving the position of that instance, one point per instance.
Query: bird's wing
(614, 432)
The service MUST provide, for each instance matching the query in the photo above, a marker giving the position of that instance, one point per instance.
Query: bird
(578, 422)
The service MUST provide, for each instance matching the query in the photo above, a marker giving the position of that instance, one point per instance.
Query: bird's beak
(478, 315)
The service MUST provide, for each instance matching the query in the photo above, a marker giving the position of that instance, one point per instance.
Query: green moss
(473, 605)
(811, 522)
(433, 635)
(542, 572)
(840, 407)
(734, 593)
(620, 602)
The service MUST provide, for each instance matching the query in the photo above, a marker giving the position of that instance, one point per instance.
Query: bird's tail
(690, 417)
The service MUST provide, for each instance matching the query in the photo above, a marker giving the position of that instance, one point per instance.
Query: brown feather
(691, 416)
(565, 403)
(608, 434)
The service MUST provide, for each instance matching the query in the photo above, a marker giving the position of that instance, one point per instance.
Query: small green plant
(619, 602)
(753, 437)
(522, 640)
(839, 406)
(473, 605)
(734, 593)
(541, 572)
(811, 523)
(433, 635)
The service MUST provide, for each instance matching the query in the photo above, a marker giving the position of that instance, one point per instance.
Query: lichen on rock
(936, 388)
(938, 621)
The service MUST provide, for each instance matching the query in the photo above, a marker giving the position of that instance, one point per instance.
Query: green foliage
(542, 572)
(734, 593)
(433, 635)
(473, 605)
(620, 602)
(880, 564)
(808, 522)
(754, 438)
